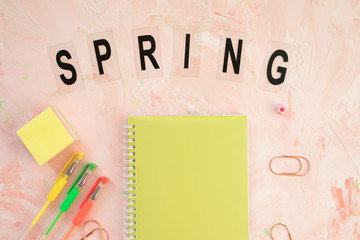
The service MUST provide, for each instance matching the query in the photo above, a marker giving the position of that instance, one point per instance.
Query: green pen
(73, 192)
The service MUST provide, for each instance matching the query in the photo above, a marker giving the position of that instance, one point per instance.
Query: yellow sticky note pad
(47, 135)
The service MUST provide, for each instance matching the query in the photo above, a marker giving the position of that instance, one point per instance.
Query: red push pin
(281, 109)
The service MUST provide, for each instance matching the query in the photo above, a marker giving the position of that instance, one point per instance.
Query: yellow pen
(60, 182)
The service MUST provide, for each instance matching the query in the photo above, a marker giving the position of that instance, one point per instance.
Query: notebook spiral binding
(129, 183)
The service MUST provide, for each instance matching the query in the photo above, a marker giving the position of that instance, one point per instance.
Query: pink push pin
(281, 109)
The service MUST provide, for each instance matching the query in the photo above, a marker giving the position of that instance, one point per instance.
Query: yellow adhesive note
(45, 136)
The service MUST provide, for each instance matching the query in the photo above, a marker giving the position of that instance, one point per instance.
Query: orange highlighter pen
(87, 204)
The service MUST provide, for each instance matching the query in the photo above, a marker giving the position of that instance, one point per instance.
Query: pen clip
(102, 180)
(78, 156)
(91, 166)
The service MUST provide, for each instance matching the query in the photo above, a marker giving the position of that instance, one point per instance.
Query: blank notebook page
(191, 178)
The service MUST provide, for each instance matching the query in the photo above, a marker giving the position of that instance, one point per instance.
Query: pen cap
(85, 208)
(87, 168)
(59, 185)
(76, 157)
(87, 204)
(60, 181)
(70, 198)
(77, 185)
(102, 180)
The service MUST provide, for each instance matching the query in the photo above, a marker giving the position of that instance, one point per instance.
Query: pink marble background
(322, 120)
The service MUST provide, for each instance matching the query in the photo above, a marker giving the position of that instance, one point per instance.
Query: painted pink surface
(322, 120)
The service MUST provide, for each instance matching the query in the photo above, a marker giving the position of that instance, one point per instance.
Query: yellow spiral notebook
(186, 178)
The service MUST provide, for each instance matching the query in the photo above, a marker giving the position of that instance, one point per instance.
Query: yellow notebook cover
(46, 135)
(190, 178)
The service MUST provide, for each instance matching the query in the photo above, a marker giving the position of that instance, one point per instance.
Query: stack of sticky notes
(47, 135)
